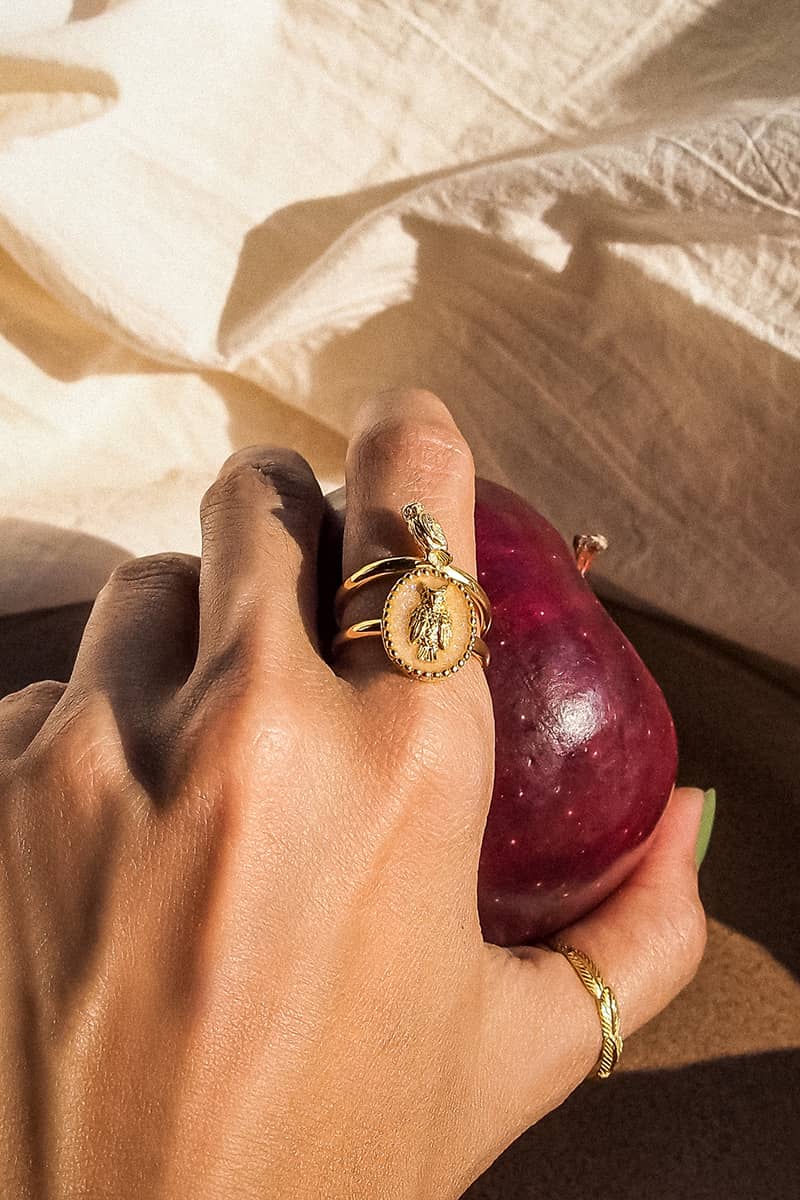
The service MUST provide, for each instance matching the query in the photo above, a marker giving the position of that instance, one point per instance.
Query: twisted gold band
(606, 1001)
(398, 564)
(372, 628)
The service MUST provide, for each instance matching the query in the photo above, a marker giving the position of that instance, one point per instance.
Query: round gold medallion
(429, 623)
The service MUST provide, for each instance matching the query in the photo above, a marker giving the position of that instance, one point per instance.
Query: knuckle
(231, 732)
(156, 569)
(697, 936)
(420, 405)
(83, 746)
(422, 735)
(424, 739)
(431, 445)
(280, 472)
(400, 731)
(686, 933)
(216, 496)
(42, 693)
(435, 785)
(290, 478)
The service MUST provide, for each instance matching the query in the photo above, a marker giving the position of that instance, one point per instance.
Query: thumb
(647, 939)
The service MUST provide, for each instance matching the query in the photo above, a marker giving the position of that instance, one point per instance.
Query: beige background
(577, 222)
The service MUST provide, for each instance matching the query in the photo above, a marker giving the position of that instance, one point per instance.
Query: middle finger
(406, 447)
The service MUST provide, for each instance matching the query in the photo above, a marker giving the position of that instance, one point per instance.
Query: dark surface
(692, 1134)
(738, 731)
(698, 1118)
(39, 645)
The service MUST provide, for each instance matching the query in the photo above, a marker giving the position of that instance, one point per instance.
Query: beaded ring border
(388, 642)
(371, 628)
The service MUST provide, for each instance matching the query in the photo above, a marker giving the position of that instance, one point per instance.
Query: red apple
(585, 746)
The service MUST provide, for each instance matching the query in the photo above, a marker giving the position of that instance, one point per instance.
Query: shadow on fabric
(608, 400)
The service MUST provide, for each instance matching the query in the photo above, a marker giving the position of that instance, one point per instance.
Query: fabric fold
(579, 226)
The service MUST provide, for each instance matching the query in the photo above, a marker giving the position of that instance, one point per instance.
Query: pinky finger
(647, 940)
(651, 932)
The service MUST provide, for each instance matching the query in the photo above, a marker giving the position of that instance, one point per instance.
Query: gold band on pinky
(606, 1001)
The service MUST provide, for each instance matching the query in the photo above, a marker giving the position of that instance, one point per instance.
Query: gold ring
(606, 1001)
(399, 564)
(435, 614)
(372, 628)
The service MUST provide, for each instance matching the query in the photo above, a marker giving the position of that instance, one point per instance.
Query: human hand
(240, 942)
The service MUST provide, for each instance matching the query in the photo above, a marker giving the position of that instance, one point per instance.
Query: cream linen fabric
(577, 222)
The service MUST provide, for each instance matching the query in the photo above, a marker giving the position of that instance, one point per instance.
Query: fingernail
(706, 825)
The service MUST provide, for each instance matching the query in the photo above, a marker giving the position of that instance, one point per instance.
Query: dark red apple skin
(586, 754)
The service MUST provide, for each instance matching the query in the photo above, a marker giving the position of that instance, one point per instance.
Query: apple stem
(586, 546)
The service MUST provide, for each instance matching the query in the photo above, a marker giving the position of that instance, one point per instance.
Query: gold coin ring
(400, 565)
(371, 628)
(434, 615)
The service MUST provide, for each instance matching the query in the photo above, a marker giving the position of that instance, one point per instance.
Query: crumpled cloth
(577, 223)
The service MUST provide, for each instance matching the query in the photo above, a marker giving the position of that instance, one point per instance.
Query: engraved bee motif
(430, 624)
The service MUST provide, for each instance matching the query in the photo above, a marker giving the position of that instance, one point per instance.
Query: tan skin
(240, 949)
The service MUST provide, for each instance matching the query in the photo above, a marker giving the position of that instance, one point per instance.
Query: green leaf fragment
(706, 825)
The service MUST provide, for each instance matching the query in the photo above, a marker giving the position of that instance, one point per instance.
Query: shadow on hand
(736, 731)
(694, 1131)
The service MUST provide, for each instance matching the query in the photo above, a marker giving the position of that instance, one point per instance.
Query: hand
(240, 945)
